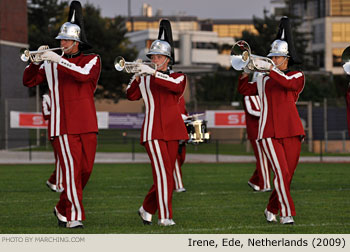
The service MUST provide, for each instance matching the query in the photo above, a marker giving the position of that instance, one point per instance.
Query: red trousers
(180, 159)
(56, 176)
(76, 154)
(162, 155)
(284, 155)
(261, 175)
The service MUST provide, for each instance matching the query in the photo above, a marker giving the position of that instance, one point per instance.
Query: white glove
(51, 56)
(46, 104)
(247, 71)
(37, 57)
(145, 69)
(184, 117)
(262, 65)
(43, 47)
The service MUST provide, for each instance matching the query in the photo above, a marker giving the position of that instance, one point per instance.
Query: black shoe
(60, 223)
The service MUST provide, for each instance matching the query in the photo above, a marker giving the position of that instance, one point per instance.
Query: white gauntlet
(37, 57)
(51, 56)
(262, 65)
(145, 69)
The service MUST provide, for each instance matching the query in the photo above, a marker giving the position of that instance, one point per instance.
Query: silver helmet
(69, 31)
(279, 48)
(160, 47)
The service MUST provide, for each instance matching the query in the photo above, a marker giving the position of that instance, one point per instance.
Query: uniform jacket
(161, 95)
(72, 83)
(46, 111)
(252, 115)
(278, 94)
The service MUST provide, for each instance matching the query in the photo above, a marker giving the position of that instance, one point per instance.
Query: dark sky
(201, 8)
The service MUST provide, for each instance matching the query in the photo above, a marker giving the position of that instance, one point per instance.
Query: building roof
(157, 18)
(190, 18)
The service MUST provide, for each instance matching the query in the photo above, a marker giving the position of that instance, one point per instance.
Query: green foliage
(107, 36)
(317, 88)
(108, 39)
(267, 28)
(218, 200)
(44, 20)
(219, 86)
(222, 86)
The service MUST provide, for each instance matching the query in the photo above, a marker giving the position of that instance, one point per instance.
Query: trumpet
(35, 56)
(131, 67)
(346, 60)
(241, 58)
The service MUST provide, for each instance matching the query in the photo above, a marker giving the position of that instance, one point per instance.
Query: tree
(108, 39)
(217, 88)
(220, 87)
(44, 19)
(267, 29)
(107, 36)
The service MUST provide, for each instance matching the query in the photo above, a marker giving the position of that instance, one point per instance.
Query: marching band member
(163, 126)
(280, 128)
(72, 80)
(55, 180)
(346, 67)
(260, 180)
(181, 154)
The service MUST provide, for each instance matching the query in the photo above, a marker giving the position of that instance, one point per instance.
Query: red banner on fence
(35, 120)
(225, 119)
(28, 120)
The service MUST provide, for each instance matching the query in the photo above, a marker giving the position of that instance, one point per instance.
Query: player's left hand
(263, 65)
(51, 56)
(145, 69)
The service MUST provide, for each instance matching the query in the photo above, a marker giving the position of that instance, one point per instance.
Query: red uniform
(261, 175)
(181, 154)
(73, 122)
(55, 181)
(280, 130)
(161, 131)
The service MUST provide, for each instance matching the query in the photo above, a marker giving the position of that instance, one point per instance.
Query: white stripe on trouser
(263, 166)
(177, 176)
(266, 170)
(159, 180)
(76, 213)
(151, 107)
(164, 178)
(278, 181)
(59, 186)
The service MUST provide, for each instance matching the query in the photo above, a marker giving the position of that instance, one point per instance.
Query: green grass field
(218, 200)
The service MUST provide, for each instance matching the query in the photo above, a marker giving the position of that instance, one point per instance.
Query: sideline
(46, 157)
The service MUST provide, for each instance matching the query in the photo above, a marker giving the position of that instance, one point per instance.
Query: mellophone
(197, 130)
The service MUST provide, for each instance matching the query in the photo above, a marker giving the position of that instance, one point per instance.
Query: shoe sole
(79, 226)
(148, 223)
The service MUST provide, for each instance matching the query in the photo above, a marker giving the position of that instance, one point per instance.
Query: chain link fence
(325, 125)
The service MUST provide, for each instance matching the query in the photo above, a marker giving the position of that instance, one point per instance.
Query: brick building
(13, 96)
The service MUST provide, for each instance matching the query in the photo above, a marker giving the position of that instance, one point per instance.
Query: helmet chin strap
(161, 65)
(281, 62)
(67, 49)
